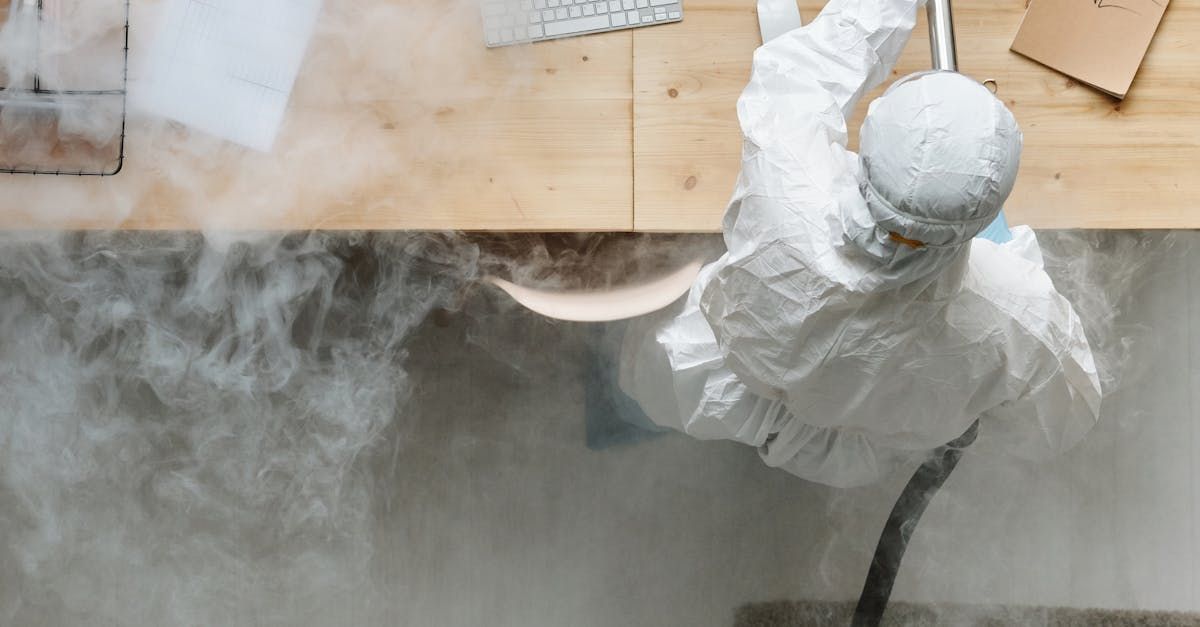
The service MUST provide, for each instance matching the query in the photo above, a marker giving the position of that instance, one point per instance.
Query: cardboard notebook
(1098, 42)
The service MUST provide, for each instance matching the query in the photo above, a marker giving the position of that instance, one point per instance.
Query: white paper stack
(227, 67)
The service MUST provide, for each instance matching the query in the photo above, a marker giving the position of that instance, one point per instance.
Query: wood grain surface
(1090, 161)
(401, 119)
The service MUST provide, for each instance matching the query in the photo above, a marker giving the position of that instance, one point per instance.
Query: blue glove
(997, 231)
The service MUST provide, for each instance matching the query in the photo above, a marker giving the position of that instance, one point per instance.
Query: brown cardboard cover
(1098, 42)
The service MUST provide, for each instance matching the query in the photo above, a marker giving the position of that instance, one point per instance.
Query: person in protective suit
(855, 322)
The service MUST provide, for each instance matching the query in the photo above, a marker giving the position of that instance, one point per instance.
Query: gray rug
(814, 614)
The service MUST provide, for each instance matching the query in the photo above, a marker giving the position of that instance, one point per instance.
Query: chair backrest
(606, 305)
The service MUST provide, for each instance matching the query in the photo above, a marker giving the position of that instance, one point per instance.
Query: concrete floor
(501, 516)
(487, 508)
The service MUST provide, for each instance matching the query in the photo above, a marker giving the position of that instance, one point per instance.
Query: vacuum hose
(900, 525)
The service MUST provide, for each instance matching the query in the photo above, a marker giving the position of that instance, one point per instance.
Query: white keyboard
(508, 22)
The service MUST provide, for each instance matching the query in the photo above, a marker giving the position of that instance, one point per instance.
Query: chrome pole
(941, 35)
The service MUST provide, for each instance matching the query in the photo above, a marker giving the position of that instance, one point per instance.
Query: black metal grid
(38, 91)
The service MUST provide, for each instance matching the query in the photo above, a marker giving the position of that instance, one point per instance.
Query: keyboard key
(552, 3)
(536, 32)
(493, 36)
(614, 5)
(560, 13)
(646, 19)
(506, 35)
(547, 15)
(662, 3)
(535, 17)
(628, 4)
(539, 4)
(589, 9)
(602, 7)
(660, 10)
(581, 25)
(675, 15)
(576, 12)
(633, 17)
(641, 4)
(658, 17)
(618, 19)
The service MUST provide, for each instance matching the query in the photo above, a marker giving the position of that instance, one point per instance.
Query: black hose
(903, 520)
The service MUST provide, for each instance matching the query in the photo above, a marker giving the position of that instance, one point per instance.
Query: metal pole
(941, 35)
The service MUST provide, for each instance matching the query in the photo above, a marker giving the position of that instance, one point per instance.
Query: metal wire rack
(38, 98)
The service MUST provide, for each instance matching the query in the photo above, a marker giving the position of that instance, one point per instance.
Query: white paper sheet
(776, 17)
(227, 67)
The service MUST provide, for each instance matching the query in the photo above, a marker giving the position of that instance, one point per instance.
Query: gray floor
(523, 526)
(487, 508)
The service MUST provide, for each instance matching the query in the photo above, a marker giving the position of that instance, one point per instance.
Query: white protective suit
(854, 324)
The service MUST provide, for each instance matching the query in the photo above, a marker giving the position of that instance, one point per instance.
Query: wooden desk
(1089, 161)
(401, 119)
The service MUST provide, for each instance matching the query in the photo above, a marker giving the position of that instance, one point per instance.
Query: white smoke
(192, 426)
(1100, 272)
(184, 429)
(190, 433)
